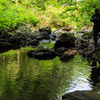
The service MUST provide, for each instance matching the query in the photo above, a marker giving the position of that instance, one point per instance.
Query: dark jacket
(95, 21)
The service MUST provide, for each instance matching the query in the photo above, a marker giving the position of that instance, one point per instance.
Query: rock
(36, 32)
(40, 47)
(68, 55)
(5, 45)
(52, 36)
(23, 37)
(65, 40)
(29, 39)
(32, 36)
(43, 54)
(5, 35)
(43, 35)
(34, 42)
(58, 33)
(27, 33)
(15, 40)
(61, 50)
(77, 95)
(19, 34)
(2, 40)
(45, 28)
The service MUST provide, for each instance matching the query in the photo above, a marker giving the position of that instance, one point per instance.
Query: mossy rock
(65, 40)
(45, 28)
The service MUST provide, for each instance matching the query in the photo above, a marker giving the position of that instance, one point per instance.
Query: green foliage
(13, 16)
(56, 13)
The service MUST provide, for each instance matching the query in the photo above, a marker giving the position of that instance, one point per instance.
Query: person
(95, 18)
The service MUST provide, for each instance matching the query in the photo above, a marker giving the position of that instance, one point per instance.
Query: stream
(24, 78)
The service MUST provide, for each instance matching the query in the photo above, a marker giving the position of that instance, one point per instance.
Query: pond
(24, 78)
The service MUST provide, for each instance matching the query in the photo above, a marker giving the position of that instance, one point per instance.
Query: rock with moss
(65, 40)
(43, 35)
(45, 28)
(15, 40)
(42, 54)
(5, 45)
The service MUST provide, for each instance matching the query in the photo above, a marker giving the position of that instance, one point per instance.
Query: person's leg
(95, 37)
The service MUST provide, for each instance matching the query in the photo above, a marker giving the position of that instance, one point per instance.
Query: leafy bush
(13, 16)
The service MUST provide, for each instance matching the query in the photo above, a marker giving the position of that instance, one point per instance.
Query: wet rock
(15, 40)
(45, 28)
(19, 34)
(27, 33)
(65, 40)
(2, 40)
(61, 50)
(52, 36)
(68, 55)
(58, 32)
(36, 32)
(32, 36)
(5, 35)
(34, 42)
(77, 95)
(29, 39)
(43, 35)
(5, 45)
(43, 54)
(40, 47)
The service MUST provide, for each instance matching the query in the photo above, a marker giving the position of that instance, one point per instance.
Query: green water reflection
(24, 78)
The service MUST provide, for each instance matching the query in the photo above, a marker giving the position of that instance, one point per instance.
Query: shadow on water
(24, 78)
(95, 74)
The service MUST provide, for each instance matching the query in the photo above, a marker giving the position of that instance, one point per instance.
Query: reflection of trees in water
(31, 79)
(45, 84)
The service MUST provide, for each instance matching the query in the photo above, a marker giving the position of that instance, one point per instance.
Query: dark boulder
(43, 35)
(65, 40)
(43, 54)
(15, 40)
(5, 45)
(34, 42)
(77, 95)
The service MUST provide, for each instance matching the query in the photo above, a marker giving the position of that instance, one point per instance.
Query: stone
(34, 42)
(18, 34)
(29, 39)
(68, 55)
(61, 50)
(43, 35)
(14, 40)
(5, 45)
(42, 54)
(45, 28)
(52, 36)
(65, 40)
(77, 95)
(58, 32)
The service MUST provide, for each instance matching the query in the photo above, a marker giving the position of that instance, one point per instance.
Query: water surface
(24, 78)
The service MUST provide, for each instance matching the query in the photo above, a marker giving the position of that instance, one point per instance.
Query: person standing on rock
(95, 18)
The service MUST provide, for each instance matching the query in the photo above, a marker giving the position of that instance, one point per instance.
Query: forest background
(31, 14)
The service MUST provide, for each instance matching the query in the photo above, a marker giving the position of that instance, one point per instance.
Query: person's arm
(92, 18)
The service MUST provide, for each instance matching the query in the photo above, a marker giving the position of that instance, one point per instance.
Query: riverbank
(81, 40)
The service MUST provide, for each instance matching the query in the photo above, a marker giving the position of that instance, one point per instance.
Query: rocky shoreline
(65, 47)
